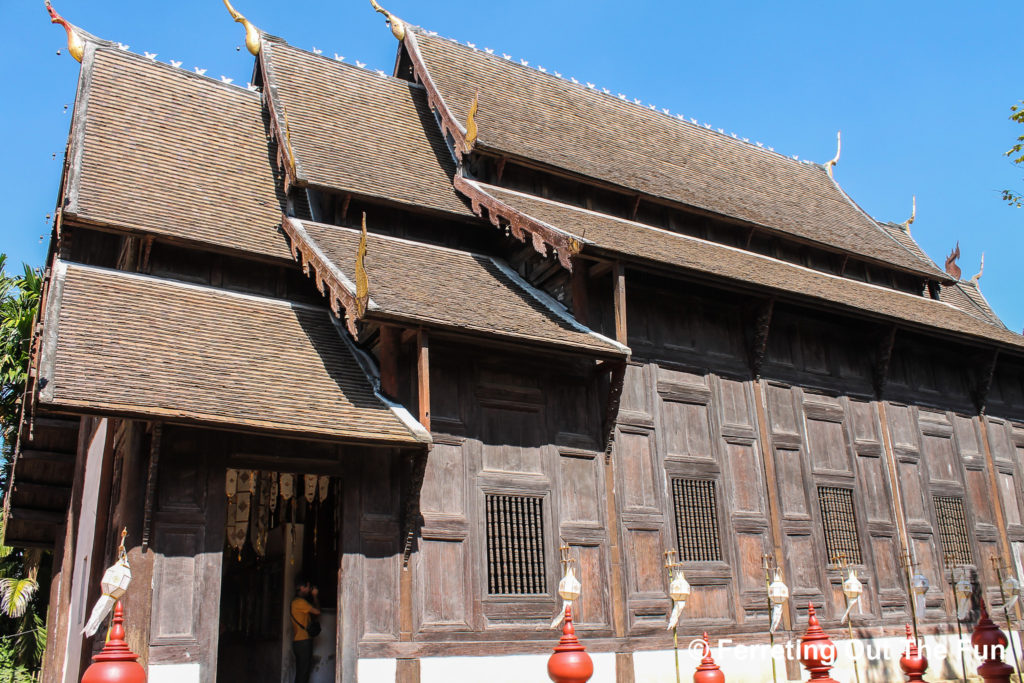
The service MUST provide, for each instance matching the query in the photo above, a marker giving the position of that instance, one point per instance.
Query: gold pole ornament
(252, 34)
(76, 43)
(397, 26)
(471, 130)
(362, 281)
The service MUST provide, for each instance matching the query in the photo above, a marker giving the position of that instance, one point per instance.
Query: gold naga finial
(397, 25)
(252, 34)
(362, 281)
(835, 160)
(471, 130)
(913, 214)
(981, 270)
(76, 43)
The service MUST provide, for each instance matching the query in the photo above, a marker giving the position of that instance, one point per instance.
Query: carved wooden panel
(638, 476)
(645, 548)
(792, 489)
(874, 483)
(510, 440)
(782, 411)
(903, 427)
(177, 584)
(686, 430)
(442, 585)
(746, 477)
(594, 605)
(581, 491)
(938, 455)
(380, 586)
(826, 444)
(444, 481)
(735, 406)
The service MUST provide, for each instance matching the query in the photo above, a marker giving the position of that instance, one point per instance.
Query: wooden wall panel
(581, 491)
(594, 605)
(444, 481)
(442, 586)
(746, 480)
(639, 481)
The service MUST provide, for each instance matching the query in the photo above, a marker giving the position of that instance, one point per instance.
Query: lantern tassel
(1009, 605)
(919, 600)
(849, 608)
(561, 614)
(776, 617)
(677, 611)
(99, 612)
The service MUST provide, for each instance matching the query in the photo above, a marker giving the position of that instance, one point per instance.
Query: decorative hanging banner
(246, 481)
(274, 491)
(231, 482)
(679, 591)
(568, 589)
(261, 518)
(964, 591)
(920, 585)
(323, 487)
(287, 486)
(310, 481)
(853, 589)
(778, 593)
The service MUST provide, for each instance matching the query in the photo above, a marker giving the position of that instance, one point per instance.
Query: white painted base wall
(173, 673)
(508, 669)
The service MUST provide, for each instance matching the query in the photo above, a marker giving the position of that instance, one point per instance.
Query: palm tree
(22, 604)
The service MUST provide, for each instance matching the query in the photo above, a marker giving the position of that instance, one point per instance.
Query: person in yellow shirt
(303, 606)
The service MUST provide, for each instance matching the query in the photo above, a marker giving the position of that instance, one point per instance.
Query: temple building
(424, 336)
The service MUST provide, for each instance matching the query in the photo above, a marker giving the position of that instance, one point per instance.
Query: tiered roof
(127, 344)
(526, 114)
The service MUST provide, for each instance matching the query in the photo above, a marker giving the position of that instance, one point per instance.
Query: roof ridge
(619, 97)
(339, 60)
(116, 49)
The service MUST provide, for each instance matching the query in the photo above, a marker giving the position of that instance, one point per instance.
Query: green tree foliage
(22, 602)
(1016, 154)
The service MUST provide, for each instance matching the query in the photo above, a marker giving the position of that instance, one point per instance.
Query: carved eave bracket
(760, 321)
(280, 130)
(503, 216)
(883, 358)
(412, 519)
(450, 126)
(985, 371)
(616, 382)
(331, 282)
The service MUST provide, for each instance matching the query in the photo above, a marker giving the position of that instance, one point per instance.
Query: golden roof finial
(835, 160)
(913, 215)
(362, 281)
(76, 43)
(252, 34)
(981, 269)
(397, 26)
(471, 130)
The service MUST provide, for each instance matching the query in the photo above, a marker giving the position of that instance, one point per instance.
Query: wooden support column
(619, 276)
(897, 492)
(423, 377)
(580, 302)
(387, 354)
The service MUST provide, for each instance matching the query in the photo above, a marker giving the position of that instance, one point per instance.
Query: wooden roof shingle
(127, 344)
(607, 234)
(168, 152)
(444, 288)
(352, 130)
(536, 116)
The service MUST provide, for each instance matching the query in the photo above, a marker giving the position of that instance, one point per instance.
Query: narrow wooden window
(840, 524)
(696, 506)
(956, 549)
(515, 545)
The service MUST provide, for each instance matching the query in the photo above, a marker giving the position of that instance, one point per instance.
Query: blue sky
(921, 91)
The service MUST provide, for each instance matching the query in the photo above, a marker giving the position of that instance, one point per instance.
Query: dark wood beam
(619, 276)
(37, 516)
(151, 476)
(57, 457)
(580, 302)
(387, 355)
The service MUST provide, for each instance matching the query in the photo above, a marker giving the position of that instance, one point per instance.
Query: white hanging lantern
(568, 589)
(778, 593)
(964, 590)
(919, 583)
(310, 481)
(287, 486)
(114, 583)
(853, 589)
(679, 591)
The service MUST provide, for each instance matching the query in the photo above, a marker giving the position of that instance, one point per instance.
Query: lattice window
(956, 549)
(515, 545)
(696, 506)
(840, 524)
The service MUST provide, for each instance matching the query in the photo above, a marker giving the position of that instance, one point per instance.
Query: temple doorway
(278, 526)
